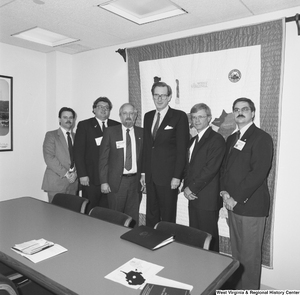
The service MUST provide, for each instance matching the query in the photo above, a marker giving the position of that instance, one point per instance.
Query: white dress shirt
(162, 115)
(200, 134)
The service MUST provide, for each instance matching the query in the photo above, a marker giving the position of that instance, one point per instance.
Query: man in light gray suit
(60, 175)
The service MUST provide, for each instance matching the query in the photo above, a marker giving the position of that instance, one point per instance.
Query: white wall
(21, 170)
(99, 73)
(44, 83)
(59, 76)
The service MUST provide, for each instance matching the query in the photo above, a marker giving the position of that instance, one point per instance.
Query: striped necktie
(156, 125)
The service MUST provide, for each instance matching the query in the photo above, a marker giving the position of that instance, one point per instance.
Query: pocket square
(168, 127)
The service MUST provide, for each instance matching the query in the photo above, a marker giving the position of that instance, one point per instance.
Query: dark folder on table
(152, 289)
(148, 237)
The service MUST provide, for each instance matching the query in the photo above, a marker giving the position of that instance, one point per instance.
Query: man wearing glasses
(120, 163)
(88, 138)
(202, 178)
(166, 138)
(245, 193)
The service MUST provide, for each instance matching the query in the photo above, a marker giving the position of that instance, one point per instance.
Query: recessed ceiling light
(143, 11)
(44, 37)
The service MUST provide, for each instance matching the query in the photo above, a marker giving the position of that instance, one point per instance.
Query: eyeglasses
(242, 110)
(198, 117)
(102, 107)
(162, 96)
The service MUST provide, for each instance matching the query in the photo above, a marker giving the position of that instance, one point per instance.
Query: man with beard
(244, 189)
(120, 163)
(89, 134)
(60, 175)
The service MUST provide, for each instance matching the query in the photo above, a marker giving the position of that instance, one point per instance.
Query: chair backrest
(7, 287)
(112, 216)
(71, 202)
(185, 234)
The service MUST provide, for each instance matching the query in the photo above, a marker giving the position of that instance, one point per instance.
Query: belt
(129, 174)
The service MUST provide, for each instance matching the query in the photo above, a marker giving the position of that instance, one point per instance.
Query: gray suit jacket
(111, 162)
(57, 158)
(245, 172)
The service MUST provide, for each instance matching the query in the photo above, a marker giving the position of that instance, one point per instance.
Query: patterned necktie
(156, 125)
(70, 146)
(128, 159)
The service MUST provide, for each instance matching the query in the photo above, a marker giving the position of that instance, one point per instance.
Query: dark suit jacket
(165, 157)
(111, 161)
(245, 172)
(202, 172)
(86, 150)
(57, 158)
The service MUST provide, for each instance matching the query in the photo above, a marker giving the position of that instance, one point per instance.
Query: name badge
(120, 144)
(239, 145)
(98, 140)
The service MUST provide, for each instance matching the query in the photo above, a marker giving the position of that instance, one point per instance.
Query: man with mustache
(245, 193)
(60, 175)
(120, 163)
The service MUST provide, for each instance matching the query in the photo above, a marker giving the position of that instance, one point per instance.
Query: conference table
(95, 249)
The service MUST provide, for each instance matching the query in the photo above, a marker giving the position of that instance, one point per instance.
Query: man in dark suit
(89, 134)
(202, 178)
(120, 163)
(60, 175)
(166, 138)
(245, 193)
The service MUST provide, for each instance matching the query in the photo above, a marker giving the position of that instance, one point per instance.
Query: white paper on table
(44, 254)
(134, 273)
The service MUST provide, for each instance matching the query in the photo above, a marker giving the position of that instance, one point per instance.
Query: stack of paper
(38, 250)
(33, 246)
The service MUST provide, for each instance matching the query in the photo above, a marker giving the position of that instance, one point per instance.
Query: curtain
(270, 37)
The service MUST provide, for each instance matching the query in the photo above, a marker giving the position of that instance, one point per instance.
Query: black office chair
(185, 234)
(21, 284)
(72, 202)
(112, 216)
(7, 287)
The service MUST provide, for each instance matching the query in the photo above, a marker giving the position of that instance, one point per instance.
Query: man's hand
(175, 182)
(230, 203)
(143, 183)
(225, 195)
(189, 194)
(85, 181)
(71, 176)
(105, 188)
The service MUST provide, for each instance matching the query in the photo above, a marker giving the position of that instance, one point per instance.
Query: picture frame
(6, 113)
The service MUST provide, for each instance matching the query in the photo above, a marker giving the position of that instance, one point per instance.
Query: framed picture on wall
(6, 113)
